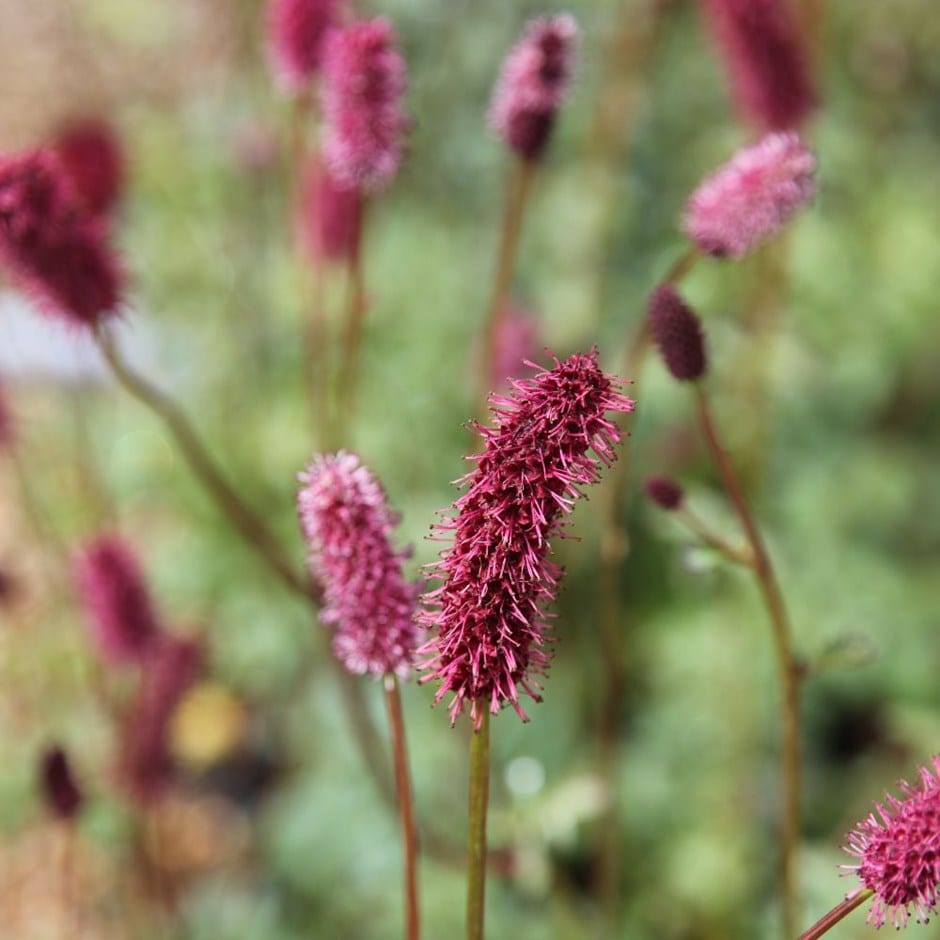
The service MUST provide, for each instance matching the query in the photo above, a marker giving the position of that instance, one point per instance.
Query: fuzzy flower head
(364, 79)
(117, 603)
(297, 32)
(331, 216)
(533, 83)
(57, 784)
(767, 65)
(347, 525)
(747, 201)
(675, 328)
(49, 247)
(665, 492)
(492, 637)
(899, 852)
(91, 153)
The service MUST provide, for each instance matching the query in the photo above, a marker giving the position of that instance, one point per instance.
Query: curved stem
(406, 816)
(740, 556)
(476, 839)
(788, 666)
(829, 920)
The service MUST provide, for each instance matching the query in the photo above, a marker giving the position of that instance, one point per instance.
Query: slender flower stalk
(841, 910)
(479, 793)
(347, 381)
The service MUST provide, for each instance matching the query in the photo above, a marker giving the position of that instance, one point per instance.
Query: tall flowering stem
(841, 910)
(476, 837)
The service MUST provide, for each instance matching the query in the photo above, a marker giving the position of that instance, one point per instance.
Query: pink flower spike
(49, 247)
(496, 577)
(347, 525)
(364, 79)
(533, 84)
(118, 607)
(747, 201)
(517, 342)
(297, 32)
(899, 852)
(331, 216)
(767, 65)
(91, 153)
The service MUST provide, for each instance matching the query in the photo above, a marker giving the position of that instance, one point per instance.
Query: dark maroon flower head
(665, 492)
(496, 578)
(297, 31)
(766, 62)
(533, 83)
(117, 603)
(57, 784)
(676, 330)
(364, 79)
(899, 852)
(347, 525)
(50, 247)
(91, 153)
(147, 767)
(331, 216)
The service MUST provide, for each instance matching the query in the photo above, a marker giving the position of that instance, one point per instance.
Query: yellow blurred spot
(208, 724)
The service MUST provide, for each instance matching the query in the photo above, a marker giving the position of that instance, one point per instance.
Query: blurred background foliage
(826, 372)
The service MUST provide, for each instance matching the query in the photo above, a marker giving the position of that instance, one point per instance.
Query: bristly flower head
(331, 216)
(49, 247)
(899, 853)
(496, 578)
(748, 200)
(92, 156)
(767, 65)
(533, 83)
(676, 330)
(57, 784)
(364, 79)
(665, 492)
(347, 525)
(117, 603)
(297, 32)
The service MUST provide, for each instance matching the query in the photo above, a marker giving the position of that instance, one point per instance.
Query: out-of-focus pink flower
(331, 216)
(496, 578)
(146, 760)
(255, 149)
(676, 330)
(748, 200)
(665, 492)
(92, 156)
(50, 248)
(899, 852)
(117, 603)
(297, 30)
(348, 526)
(517, 342)
(533, 83)
(760, 43)
(57, 784)
(364, 79)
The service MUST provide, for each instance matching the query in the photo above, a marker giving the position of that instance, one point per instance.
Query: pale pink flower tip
(297, 32)
(496, 578)
(347, 525)
(899, 852)
(748, 200)
(533, 83)
(116, 601)
(364, 79)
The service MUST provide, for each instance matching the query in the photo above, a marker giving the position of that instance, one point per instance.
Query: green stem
(740, 556)
(476, 840)
(409, 833)
(347, 380)
(829, 920)
(787, 664)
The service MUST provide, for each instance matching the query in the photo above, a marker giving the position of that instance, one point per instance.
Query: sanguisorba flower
(677, 332)
(533, 83)
(347, 526)
(766, 62)
(57, 784)
(117, 603)
(296, 32)
(90, 150)
(364, 80)
(748, 200)
(496, 577)
(50, 247)
(898, 852)
(330, 216)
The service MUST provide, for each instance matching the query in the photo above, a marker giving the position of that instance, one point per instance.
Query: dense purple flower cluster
(676, 330)
(665, 492)
(496, 577)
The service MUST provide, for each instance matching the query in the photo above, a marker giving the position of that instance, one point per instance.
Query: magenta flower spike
(296, 34)
(760, 43)
(49, 247)
(898, 852)
(747, 201)
(517, 343)
(57, 784)
(675, 328)
(331, 216)
(347, 526)
(533, 84)
(91, 153)
(496, 577)
(364, 80)
(117, 603)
